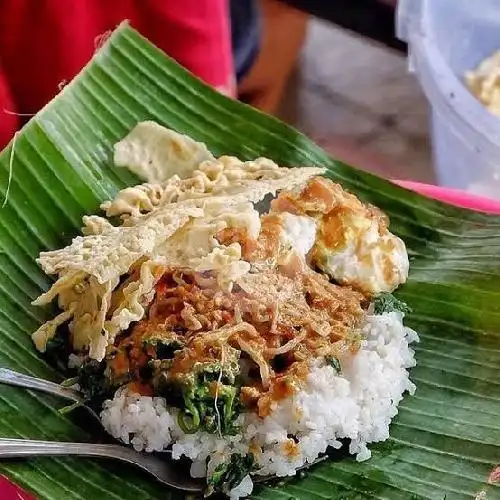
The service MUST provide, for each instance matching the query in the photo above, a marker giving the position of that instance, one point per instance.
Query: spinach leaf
(386, 302)
(228, 475)
(334, 363)
(93, 382)
(58, 349)
(203, 410)
(165, 348)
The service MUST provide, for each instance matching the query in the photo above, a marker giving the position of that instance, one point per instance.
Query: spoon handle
(162, 470)
(20, 380)
(12, 448)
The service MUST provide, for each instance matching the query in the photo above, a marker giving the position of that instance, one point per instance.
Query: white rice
(358, 404)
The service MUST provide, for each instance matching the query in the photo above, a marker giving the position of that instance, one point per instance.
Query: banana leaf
(444, 443)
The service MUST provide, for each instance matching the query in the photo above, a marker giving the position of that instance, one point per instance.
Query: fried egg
(298, 231)
(353, 244)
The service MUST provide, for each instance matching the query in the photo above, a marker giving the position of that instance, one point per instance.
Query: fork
(162, 470)
(17, 379)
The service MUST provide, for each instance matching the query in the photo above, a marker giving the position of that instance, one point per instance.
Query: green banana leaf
(445, 441)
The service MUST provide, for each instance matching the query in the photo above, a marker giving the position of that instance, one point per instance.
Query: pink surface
(452, 196)
(9, 491)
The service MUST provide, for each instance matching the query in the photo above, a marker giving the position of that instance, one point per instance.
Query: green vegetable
(202, 411)
(334, 363)
(70, 408)
(58, 349)
(93, 382)
(386, 302)
(228, 475)
(164, 348)
(69, 382)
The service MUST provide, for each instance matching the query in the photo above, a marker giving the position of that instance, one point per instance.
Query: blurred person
(374, 19)
(44, 43)
(283, 31)
(57, 37)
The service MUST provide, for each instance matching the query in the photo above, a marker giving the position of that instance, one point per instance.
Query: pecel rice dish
(248, 343)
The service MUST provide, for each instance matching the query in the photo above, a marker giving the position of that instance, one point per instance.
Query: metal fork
(162, 470)
(17, 379)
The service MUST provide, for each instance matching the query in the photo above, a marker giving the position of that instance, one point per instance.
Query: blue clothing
(245, 35)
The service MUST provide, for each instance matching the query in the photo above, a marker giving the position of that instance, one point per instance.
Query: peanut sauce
(288, 309)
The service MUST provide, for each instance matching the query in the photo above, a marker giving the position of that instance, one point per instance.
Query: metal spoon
(162, 470)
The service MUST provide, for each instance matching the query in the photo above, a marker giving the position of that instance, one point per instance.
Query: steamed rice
(358, 404)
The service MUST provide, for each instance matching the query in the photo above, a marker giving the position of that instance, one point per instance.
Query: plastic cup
(447, 38)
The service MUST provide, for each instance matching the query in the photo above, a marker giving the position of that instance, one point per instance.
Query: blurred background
(332, 68)
(336, 71)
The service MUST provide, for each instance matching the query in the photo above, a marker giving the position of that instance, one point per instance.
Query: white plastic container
(447, 38)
